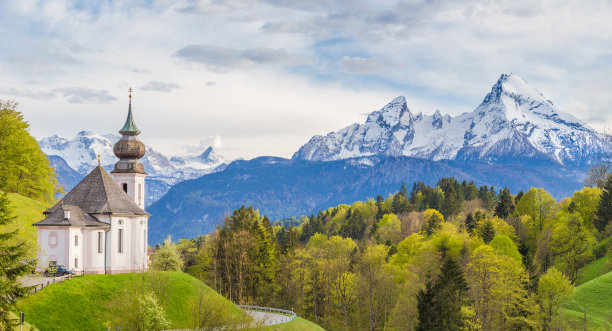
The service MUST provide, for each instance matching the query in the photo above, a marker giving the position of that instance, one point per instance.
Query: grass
(593, 270)
(594, 296)
(298, 324)
(28, 212)
(86, 303)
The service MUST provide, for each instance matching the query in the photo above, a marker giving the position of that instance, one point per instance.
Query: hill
(27, 211)
(594, 297)
(86, 303)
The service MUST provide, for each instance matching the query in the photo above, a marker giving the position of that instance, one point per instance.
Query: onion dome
(129, 149)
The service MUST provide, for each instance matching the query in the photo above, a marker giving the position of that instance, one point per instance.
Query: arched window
(125, 187)
(139, 193)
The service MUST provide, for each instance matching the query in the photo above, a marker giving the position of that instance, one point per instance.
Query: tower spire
(129, 128)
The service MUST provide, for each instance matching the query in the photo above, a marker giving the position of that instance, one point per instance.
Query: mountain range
(513, 120)
(74, 158)
(515, 138)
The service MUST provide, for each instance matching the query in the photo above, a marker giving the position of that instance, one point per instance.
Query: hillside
(27, 212)
(85, 303)
(283, 188)
(594, 297)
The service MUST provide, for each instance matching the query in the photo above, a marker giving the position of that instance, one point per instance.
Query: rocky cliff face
(513, 120)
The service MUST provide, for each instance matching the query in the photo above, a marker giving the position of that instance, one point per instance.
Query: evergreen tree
(487, 232)
(439, 304)
(505, 205)
(403, 190)
(604, 210)
(470, 223)
(11, 266)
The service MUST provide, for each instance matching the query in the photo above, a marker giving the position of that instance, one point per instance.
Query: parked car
(57, 270)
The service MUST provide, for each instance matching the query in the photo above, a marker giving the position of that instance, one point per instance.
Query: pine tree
(470, 223)
(487, 232)
(505, 205)
(439, 304)
(11, 266)
(604, 210)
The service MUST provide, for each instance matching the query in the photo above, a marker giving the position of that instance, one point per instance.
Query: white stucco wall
(133, 257)
(52, 243)
(135, 185)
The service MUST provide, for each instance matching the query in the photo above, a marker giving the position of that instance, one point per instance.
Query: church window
(140, 193)
(120, 240)
(100, 236)
(53, 239)
(76, 240)
(76, 262)
(125, 187)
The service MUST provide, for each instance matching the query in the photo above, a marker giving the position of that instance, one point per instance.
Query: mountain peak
(514, 86)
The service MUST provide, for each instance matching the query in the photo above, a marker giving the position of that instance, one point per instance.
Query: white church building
(100, 226)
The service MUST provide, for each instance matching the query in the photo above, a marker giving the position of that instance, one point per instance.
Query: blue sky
(261, 77)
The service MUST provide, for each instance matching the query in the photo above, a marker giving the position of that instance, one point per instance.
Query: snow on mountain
(81, 154)
(513, 120)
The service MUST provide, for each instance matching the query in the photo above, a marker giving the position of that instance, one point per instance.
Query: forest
(453, 257)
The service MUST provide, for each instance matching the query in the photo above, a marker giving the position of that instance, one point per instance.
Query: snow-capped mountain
(81, 154)
(513, 121)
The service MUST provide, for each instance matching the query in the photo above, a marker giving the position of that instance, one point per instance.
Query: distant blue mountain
(282, 188)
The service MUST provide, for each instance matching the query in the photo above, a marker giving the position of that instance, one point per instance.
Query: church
(100, 226)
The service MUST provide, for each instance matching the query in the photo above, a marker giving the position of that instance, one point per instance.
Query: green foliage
(487, 230)
(554, 291)
(604, 209)
(389, 229)
(11, 266)
(440, 303)
(505, 205)
(505, 246)
(167, 257)
(497, 290)
(24, 168)
(470, 223)
(539, 205)
(149, 314)
(585, 203)
(432, 221)
(572, 244)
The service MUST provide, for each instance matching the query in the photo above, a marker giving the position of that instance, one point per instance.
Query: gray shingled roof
(77, 218)
(98, 193)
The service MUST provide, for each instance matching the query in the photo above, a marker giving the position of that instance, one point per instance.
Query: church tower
(129, 172)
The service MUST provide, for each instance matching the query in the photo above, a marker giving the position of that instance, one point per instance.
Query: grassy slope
(27, 211)
(594, 296)
(83, 303)
(298, 324)
(592, 270)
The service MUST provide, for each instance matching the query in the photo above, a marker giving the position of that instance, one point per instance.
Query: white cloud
(159, 86)
(291, 69)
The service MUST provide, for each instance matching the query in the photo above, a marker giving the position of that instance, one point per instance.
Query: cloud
(21, 91)
(362, 66)
(222, 59)
(85, 95)
(215, 141)
(159, 86)
(41, 59)
(210, 83)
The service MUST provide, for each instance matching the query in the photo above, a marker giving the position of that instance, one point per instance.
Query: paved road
(268, 318)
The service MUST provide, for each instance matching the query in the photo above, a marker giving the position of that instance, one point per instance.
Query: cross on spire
(130, 95)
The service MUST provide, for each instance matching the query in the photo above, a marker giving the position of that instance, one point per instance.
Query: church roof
(76, 218)
(129, 128)
(98, 193)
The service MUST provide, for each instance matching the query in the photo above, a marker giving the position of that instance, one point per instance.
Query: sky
(260, 77)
